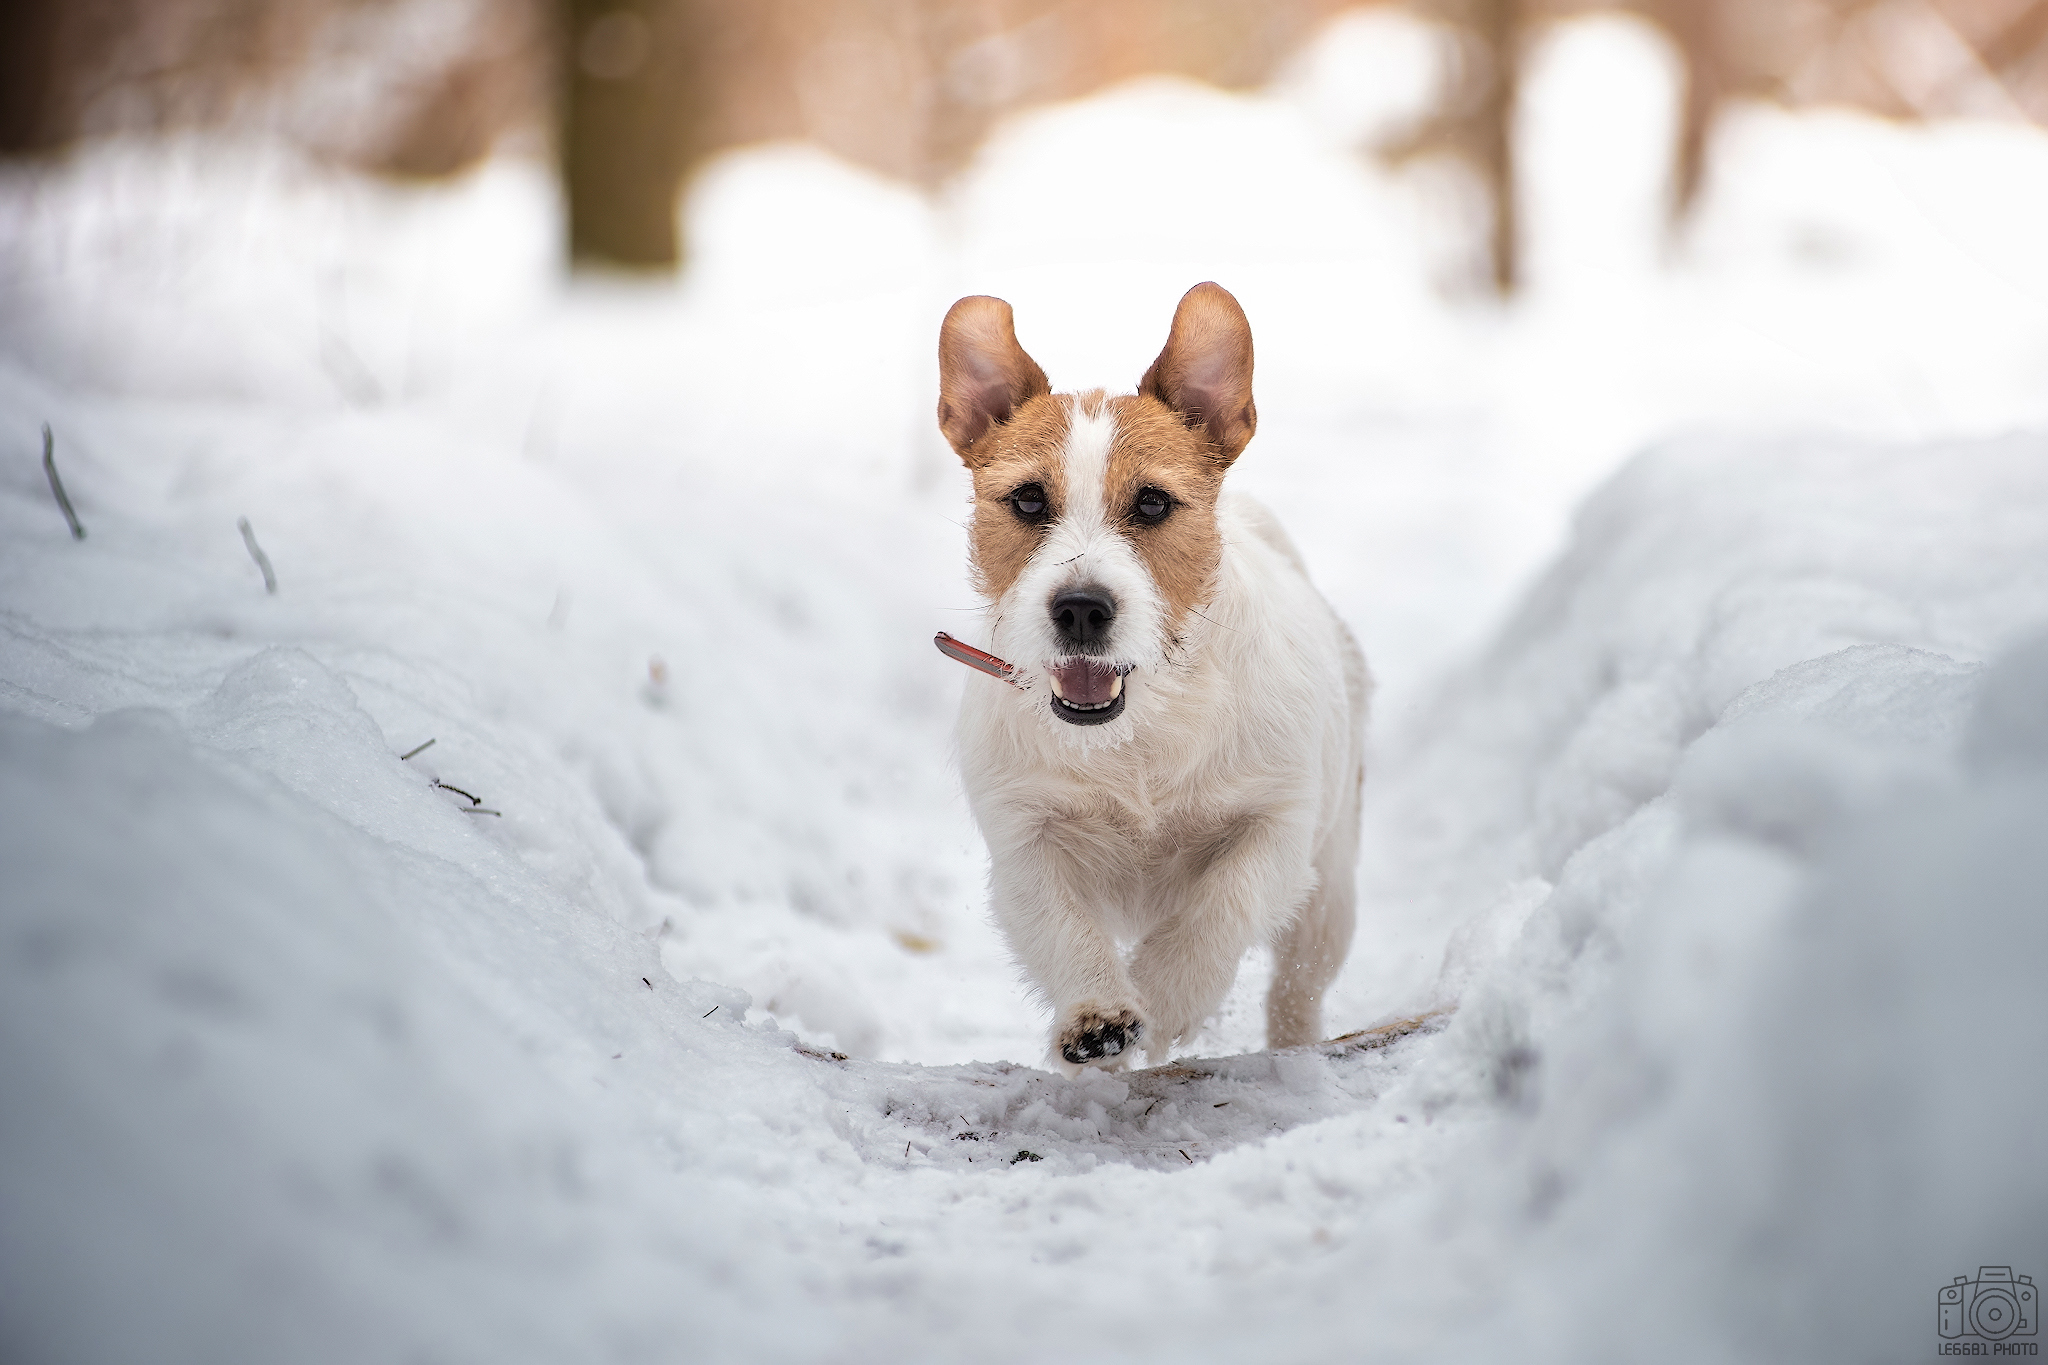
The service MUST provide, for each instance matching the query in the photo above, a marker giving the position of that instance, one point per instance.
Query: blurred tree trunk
(1475, 120)
(28, 70)
(631, 114)
(1695, 28)
(1500, 24)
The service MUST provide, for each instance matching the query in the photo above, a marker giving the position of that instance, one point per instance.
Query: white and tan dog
(1178, 768)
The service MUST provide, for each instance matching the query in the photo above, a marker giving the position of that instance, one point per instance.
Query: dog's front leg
(1212, 903)
(1050, 891)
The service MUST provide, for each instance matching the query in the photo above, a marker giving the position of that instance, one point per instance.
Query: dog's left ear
(1205, 372)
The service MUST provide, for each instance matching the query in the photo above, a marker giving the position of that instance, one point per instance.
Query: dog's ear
(1205, 372)
(984, 375)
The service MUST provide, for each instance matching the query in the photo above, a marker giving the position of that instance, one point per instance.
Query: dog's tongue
(1084, 683)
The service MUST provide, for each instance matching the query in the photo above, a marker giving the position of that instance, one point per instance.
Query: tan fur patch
(1154, 449)
(1025, 449)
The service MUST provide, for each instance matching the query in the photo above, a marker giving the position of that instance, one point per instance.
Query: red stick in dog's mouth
(976, 658)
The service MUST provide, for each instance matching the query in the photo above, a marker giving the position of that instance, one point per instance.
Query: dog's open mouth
(1086, 692)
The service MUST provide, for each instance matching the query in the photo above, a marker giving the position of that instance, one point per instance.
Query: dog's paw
(1094, 1035)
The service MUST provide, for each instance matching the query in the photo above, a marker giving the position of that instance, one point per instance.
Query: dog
(1175, 775)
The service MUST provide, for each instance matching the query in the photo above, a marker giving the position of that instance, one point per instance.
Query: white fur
(1134, 863)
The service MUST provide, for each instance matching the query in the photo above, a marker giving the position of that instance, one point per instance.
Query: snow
(1701, 919)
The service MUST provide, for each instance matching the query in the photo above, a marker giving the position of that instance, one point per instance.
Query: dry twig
(476, 803)
(57, 484)
(256, 553)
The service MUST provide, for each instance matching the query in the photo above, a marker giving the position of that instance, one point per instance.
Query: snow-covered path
(1720, 832)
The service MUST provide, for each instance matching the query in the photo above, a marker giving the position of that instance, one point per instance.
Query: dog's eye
(1028, 502)
(1152, 505)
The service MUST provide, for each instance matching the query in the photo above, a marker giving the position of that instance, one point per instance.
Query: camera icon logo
(1995, 1305)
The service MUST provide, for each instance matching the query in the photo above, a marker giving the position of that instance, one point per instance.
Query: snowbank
(1766, 1055)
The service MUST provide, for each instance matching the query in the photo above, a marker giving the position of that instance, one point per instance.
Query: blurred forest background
(630, 95)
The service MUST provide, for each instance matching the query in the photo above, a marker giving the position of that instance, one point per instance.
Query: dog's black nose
(1082, 616)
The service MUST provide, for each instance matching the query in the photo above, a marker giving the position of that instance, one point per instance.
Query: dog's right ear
(984, 375)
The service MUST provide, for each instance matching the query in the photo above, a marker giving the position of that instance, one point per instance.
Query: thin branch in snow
(256, 553)
(416, 751)
(1184, 1156)
(708, 1013)
(650, 986)
(476, 803)
(57, 484)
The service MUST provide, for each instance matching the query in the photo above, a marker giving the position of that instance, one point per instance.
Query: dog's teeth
(1116, 688)
(1053, 677)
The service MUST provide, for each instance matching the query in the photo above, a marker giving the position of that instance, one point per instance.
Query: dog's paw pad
(1094, 1036)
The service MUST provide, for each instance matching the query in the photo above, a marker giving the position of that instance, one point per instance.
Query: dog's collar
(974, 658)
